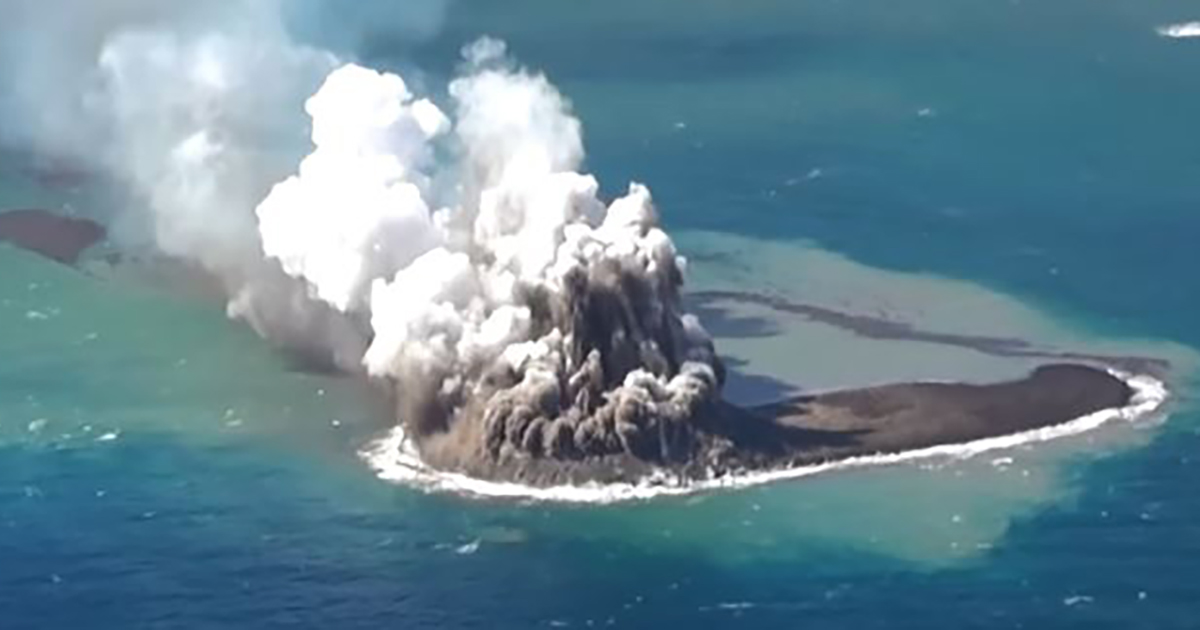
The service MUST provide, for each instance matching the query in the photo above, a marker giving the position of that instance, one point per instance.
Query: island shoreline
(394, 457)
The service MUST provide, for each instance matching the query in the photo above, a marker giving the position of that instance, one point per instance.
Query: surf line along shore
(727, 441)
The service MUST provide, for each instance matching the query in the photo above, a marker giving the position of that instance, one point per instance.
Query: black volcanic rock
(905, 417)
(821, 428)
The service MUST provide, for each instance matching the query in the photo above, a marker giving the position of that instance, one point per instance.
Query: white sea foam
(394, 458)
(1183, 30)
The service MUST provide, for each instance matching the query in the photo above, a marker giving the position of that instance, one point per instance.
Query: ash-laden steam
(453, 251)
(515, 314)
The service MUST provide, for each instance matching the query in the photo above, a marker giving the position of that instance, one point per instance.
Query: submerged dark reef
(56, 237)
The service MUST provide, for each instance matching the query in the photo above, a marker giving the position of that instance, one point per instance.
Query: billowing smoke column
(516, 314)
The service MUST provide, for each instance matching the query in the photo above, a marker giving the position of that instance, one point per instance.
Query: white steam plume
(199, 128)
(357, 209)
(192, 107)
(457, 254)
(513, 310)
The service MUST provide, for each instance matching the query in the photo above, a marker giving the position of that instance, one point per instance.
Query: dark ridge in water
(880, 328)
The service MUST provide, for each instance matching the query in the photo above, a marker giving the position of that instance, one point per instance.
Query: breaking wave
(1183, 30)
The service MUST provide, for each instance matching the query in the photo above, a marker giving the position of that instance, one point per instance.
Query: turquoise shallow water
(163, 469)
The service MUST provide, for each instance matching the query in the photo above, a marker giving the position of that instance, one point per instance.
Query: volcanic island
(602, 439)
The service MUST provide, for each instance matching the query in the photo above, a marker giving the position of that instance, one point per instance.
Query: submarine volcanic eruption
(516, 315)
(528, 328)
(532, 333)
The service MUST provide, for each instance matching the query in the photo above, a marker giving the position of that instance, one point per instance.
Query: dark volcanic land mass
(902, 417)
(797, 431)
(809, 430)
(872, 327)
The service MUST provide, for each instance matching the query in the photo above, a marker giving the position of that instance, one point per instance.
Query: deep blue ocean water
(1049, 149)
